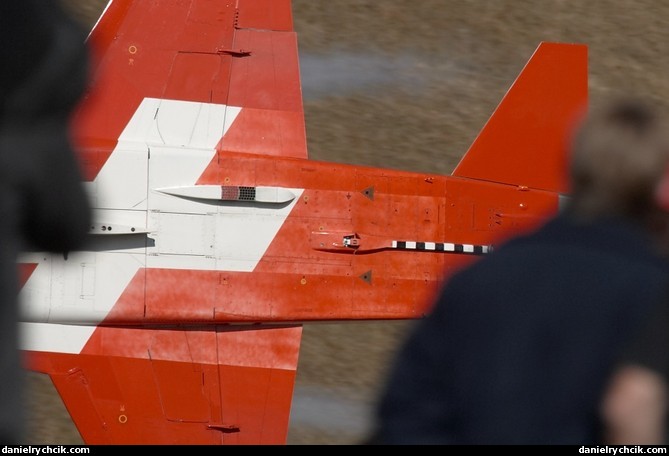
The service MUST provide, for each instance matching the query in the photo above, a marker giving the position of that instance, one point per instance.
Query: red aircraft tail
(519, 147)
(214, 238)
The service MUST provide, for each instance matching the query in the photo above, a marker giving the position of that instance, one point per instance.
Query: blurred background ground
(405, 84)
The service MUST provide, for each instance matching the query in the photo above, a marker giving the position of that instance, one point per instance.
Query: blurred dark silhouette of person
(635, 406)
(43, 205)
(522, 346)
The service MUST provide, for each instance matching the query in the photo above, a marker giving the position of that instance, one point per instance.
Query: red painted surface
(553, 89)
(193, 356)
(25, 271)
(187, 51)
(214, 385)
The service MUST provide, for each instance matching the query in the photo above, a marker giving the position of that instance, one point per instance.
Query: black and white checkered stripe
(442, 247)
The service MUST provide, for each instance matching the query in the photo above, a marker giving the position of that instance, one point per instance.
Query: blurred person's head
(620, 165)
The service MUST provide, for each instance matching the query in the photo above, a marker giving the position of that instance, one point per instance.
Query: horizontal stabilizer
(208, 386)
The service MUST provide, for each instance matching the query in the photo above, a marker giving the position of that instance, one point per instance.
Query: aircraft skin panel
(284, 132)
(61, 338)
(191, 54)
(253, 86)
(200, 270)
(265, 15)
(209, 386)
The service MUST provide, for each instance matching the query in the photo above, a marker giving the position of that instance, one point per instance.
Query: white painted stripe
(449, 247)
(410, 245)
(394, 244)
(430, 246)
(467, 248)
(181, 138)
(53, 338)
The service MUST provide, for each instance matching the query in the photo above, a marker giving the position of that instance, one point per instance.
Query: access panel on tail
(215, 238)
